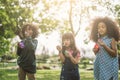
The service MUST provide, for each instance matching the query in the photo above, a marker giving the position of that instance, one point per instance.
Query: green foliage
(48, 25)
(118, 47)
(85, 62)
(12, 17)
(4, 45)
(13, 13)
(7, 57)
(117, 11)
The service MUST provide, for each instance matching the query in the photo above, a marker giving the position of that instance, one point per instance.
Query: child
(105, 33)
(70, 56)
(26, 52)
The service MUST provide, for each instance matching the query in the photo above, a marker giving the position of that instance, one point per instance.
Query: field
(10, 73)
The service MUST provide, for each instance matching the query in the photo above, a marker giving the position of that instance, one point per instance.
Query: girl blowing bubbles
(26, 52)
(105, 33)
(70, 56)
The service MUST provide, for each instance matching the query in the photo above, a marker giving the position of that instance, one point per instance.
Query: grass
(9, 73)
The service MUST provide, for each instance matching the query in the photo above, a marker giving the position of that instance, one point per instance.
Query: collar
(104, 37)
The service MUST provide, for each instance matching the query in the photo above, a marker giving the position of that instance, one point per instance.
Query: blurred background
(54, 17)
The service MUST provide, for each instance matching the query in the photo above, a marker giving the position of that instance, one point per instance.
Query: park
(53, 18)
(9, 70)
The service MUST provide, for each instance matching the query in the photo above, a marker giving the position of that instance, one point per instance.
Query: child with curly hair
(26, 52)
(105, 34)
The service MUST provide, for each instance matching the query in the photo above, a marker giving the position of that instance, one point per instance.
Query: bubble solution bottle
(21, 44)
(96, 46)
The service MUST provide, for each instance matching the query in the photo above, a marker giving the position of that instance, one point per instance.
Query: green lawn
(9, 73)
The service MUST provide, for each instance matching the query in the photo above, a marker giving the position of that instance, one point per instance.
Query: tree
(12, 16)
(62, 15)
(117, 12)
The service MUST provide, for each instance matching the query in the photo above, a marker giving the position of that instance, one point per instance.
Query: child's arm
(20, 47)
(62, 58)
(19, 51)
(113, 50)
(95, 50)
(31, 43)
(76, 59)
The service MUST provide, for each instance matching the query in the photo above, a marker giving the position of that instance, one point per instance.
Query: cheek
(98, 30)
(68, 43)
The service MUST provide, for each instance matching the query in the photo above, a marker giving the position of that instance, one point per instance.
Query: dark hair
(69, 36)
(112, 28)
(31, 26)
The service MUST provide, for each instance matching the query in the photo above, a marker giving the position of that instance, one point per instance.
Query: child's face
(66, 42)
(28, 32)
(102, 29)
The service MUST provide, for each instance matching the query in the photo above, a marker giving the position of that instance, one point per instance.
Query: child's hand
(68, 53)
(21, 44)
(96, 48)
(101, 42)
(58, 48)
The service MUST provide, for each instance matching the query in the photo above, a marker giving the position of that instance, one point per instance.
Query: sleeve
(18, 50)
(31, 43)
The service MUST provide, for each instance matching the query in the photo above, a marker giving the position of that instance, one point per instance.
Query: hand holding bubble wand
(21, 44)
(96, 46)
